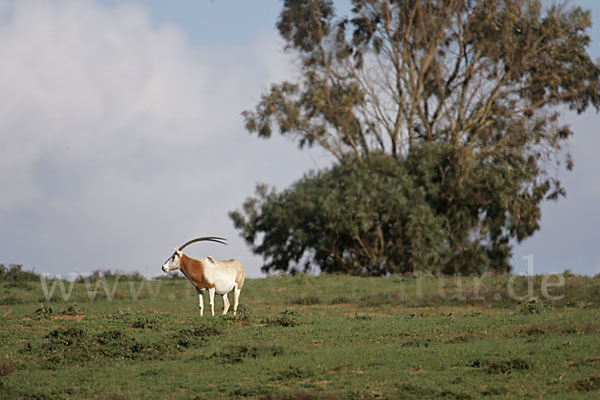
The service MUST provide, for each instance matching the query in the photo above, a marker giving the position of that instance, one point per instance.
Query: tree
(361, 219)
(474, 86)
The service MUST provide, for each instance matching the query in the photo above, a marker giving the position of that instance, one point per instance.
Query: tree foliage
(366, 218)
(477, 86)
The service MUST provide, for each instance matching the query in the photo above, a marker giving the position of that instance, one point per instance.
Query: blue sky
(121, 136)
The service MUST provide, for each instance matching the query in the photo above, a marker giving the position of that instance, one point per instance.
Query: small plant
(588, 384)
(532, 305)
(197, 335)
(568, 273)
(243, 315)
(286, 318)
(43, 312)
(66, 337)
(143, 322)
(501, 367)
(116, 344)
(71, 309)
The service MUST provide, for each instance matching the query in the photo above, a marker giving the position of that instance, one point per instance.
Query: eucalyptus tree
(465, 95)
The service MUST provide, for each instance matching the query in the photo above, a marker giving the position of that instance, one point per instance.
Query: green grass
(303, 337)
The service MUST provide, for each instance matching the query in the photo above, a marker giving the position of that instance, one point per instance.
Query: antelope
(217, 276)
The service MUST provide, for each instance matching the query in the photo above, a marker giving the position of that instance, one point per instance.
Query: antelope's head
(173, 262)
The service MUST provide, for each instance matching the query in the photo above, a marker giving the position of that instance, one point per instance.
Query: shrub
(42, 312)
(504, 367)
(110, 275)
(71, 309)
(243, 315)
(588, 384)
(532, 305)
(197, 335)
(15, 273)
(286, 318)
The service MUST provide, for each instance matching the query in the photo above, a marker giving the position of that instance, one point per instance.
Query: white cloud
(119, 139)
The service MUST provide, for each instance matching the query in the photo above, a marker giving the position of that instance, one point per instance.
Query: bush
(42, 312)
(531, 306)
(243, 315)
(75, 344)
(15, 273)
(196, 335)
(503, 367)
(588, 384)
(287, 318)
(71, 309)
(110, 275)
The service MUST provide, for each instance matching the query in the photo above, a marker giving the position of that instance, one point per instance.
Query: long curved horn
(205, 238)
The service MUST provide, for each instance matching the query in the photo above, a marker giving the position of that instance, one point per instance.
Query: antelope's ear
(177, 251)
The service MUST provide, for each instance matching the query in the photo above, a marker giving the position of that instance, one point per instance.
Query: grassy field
(302, 337)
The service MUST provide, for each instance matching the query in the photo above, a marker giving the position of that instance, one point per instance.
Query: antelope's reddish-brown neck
(194, 271)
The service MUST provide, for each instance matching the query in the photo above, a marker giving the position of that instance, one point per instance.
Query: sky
(121, 136)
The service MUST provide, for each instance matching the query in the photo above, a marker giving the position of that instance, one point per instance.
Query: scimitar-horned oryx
(217, 276)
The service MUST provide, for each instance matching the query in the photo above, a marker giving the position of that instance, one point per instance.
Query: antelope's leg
(200, 302)
(211, 295)
(236, 297)
(225, 304)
